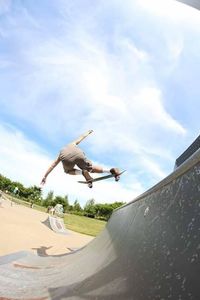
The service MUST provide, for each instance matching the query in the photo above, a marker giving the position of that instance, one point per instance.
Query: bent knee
(70, 172)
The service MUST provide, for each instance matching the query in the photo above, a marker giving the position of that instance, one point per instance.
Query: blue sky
(126, 69)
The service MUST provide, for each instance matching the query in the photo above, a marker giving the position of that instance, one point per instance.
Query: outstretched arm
(53, 165)
(82, 137)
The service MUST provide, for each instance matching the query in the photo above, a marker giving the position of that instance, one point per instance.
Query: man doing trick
(72, 156)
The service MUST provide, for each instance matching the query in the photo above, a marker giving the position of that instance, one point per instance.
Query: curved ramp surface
(149, 250)
(194, 3)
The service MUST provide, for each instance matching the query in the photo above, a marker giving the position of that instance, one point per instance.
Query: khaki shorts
(71, 156)
(83, 164)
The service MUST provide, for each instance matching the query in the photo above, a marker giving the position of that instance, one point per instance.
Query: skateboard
(90, 182)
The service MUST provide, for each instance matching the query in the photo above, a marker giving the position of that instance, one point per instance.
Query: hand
(43, 181)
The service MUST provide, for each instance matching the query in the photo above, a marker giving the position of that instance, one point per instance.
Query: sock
(78, 172)
(105, 171)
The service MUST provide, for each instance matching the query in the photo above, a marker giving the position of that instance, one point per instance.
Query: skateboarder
(72, 155)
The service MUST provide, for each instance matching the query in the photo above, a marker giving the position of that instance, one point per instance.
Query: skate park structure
(56, 224)
(148, 250)
(194, 3)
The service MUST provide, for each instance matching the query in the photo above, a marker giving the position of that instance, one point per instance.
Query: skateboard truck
(117, 178)
(90, 185)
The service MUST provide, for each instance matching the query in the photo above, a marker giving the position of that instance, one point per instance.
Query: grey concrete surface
(194, 3)
(56, 224)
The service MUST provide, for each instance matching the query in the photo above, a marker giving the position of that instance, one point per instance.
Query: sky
(127, 69)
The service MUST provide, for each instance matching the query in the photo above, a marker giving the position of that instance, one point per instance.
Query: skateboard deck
(102, 178)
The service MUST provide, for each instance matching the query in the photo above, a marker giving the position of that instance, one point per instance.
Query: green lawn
(83, 224)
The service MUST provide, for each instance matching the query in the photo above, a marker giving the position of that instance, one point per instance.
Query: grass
(72, 222)
(83, 224)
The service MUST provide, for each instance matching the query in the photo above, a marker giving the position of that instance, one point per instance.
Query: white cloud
(175, 48)
(110, 100)
(149, 104)
(153, 167)
(99, 82)
(20, 158)
(24, 161)
(83, 78)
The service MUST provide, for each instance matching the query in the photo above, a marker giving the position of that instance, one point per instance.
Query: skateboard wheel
(90, 185)
(117, 178)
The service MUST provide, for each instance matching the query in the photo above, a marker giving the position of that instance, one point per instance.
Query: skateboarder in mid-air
(72, 156)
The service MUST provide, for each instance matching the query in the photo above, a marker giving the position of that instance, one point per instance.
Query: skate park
(148, 250)
(152, 242)
(35, 231)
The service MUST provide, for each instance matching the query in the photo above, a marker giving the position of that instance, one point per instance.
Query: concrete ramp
(194, 3)
(56, 224)
(149, 250)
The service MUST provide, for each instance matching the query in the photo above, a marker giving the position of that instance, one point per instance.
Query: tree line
(33, 194)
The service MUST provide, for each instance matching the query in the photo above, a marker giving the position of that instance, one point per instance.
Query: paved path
(21, 228)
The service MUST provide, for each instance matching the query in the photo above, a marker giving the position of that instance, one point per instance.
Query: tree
(104, 211)
(59, 200)
(76, 206)
(117, 204)
(6, 184)
(35, 194)
(67, 205)
(48, 201)
(90, 209)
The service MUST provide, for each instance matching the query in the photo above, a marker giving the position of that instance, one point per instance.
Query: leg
(97, 169)
(87, 176)
(85, 173)
(89, 168)
(74, 172)
(86, 165)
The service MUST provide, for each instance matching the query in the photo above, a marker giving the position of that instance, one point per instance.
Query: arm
(53, 165)
(82, 137)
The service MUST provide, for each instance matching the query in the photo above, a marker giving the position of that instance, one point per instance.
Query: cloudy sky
(128, 69)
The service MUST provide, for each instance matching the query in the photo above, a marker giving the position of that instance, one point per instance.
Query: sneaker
(115, 171)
